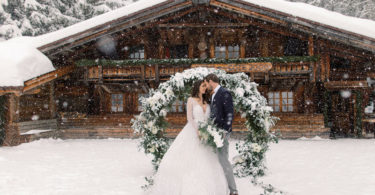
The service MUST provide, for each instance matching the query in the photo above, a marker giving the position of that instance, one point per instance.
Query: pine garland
(188, 61)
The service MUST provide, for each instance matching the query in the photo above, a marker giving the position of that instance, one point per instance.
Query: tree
(36, 17)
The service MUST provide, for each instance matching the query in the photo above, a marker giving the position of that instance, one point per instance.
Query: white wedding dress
(190, 167)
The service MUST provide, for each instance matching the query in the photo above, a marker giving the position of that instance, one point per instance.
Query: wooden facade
(319, 97)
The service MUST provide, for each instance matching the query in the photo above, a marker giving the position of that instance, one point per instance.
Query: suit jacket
(222, 109)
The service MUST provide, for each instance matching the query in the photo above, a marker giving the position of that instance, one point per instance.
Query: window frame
(234, 52)
(288, 103)
(118, 98)
(138, 52)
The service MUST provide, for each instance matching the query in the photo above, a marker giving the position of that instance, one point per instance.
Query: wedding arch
(247, 101)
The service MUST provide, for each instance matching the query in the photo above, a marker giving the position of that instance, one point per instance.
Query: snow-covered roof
(312, 13)
(20, 62)
(352, 24)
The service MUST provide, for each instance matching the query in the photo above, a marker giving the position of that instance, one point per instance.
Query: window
(137, 52)
(295, 47)
(178, 106)
(281, 101)
(227, 51)
(339, 63)
(177, 51)
(117, 103)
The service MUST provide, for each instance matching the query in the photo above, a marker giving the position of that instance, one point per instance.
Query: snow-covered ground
(115, 166)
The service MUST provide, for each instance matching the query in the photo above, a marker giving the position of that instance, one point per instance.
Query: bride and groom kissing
(190, 167)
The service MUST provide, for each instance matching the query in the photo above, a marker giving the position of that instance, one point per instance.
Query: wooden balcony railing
(291, 68)
(161, 69)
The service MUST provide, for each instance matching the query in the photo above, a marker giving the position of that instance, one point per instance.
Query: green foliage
(186, 61)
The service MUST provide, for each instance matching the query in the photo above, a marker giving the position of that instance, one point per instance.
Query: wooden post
(52, 104)
(328, 65)
(321, 53)
(311, 53)
(267, 77)
(100, 72)
(191, 50)
(161, 56)
(252, 76)
(11, 130)
(143, 73)
(212, 47)
(157, 73)
(242, 38)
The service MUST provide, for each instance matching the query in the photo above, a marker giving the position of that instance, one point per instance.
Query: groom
(222, 113)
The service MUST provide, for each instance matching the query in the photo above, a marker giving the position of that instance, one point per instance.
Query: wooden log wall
(72, 97)
(36, 106)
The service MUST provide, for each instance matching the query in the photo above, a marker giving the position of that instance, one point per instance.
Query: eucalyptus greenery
(247, 101)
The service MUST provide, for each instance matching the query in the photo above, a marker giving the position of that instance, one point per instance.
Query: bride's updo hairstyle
(195, 91)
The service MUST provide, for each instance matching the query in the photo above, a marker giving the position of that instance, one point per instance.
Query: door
(342, 112)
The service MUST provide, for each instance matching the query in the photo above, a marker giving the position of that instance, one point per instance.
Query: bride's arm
(189, 113)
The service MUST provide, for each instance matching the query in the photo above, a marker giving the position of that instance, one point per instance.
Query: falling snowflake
(345, 93)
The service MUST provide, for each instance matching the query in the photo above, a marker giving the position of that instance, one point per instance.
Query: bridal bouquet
(211, 135)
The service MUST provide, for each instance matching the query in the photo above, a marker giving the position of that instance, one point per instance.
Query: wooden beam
(52, 103)
(30, 84)
(311, 45)
(157, 74)
(328, 65)
(260, 24)
(345, 84)
(16, 92)
(212, 47)
(246, 12)
(192, 25)
(191, 50)
(100, 74)
(311, 53)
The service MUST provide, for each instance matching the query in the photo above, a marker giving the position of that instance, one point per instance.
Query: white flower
(163, 113)
(150, 124)
(152, 149)
(154, 130)
(238, 159)
(205, 137)
(169, 92)
(218, 141)
(255, 147)
(240, 92)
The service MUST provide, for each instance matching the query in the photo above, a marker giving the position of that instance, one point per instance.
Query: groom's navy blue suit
(222, 113)
(222, 109)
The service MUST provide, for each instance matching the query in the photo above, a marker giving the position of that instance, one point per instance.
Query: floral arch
(247, 101)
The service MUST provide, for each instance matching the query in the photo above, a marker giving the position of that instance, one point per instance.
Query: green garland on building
(188, 61)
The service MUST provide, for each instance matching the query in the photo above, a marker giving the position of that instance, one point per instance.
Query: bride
(189, 167)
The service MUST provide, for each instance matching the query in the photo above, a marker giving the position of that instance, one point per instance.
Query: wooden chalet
(316, 77)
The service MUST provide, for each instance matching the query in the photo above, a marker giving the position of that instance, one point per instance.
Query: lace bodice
(195, 112)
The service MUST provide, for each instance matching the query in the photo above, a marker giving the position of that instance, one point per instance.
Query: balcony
(162, 69)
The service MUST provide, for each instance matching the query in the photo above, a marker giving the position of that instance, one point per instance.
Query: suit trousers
(223, 155)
